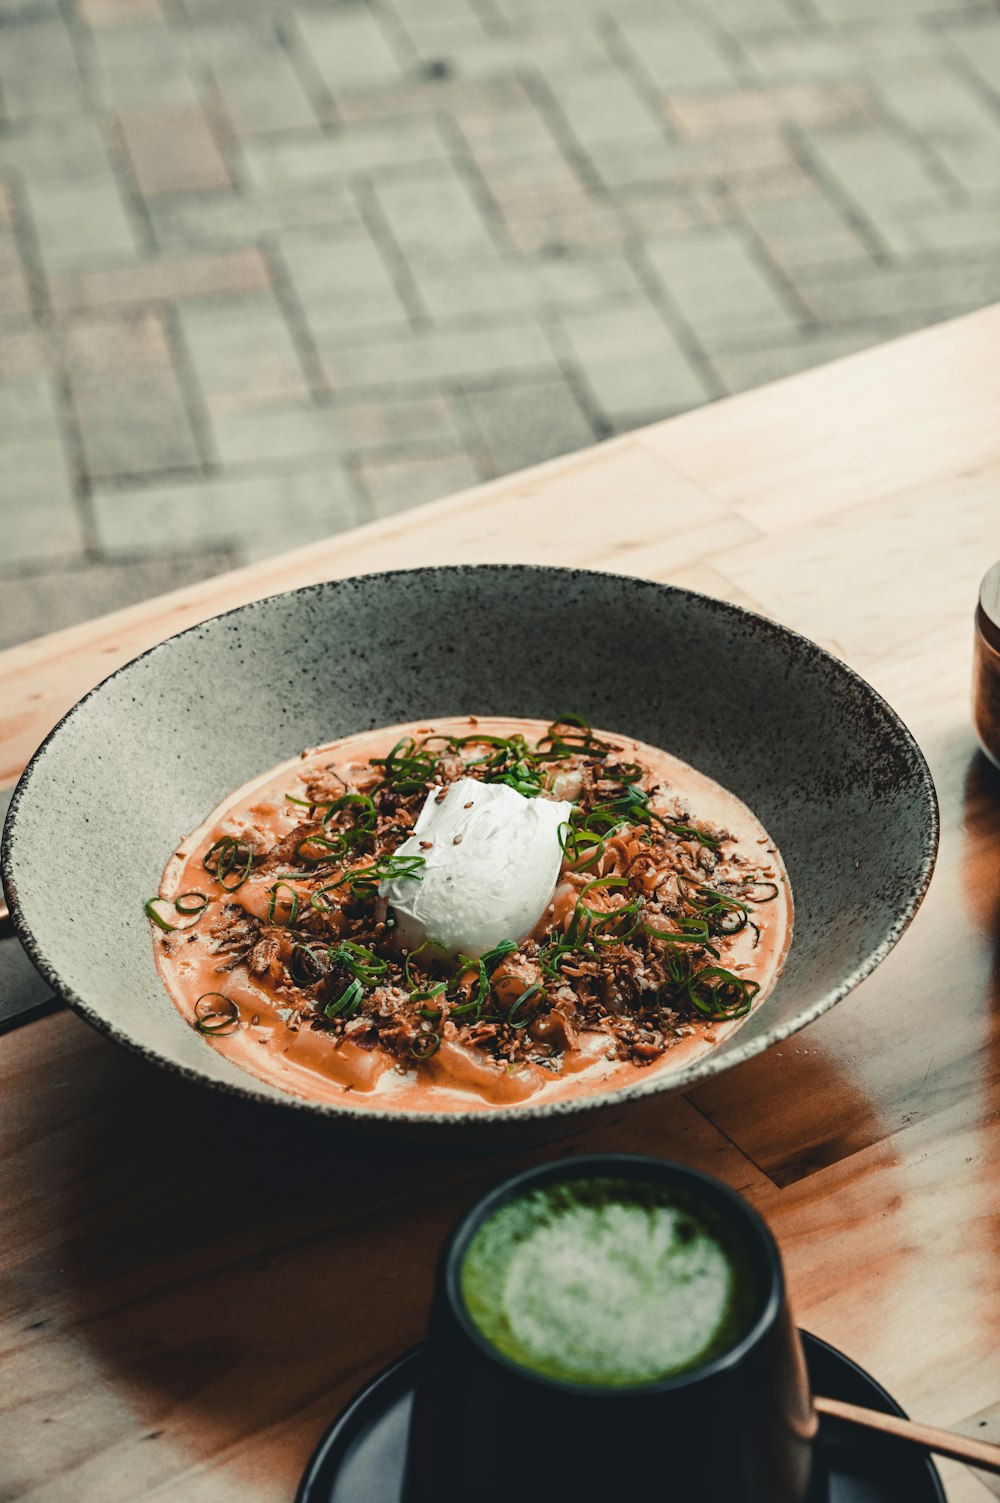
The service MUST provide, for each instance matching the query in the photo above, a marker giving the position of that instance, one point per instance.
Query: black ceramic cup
(737, 1427)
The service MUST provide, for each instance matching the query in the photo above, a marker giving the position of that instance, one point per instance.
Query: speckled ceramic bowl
(827, 766)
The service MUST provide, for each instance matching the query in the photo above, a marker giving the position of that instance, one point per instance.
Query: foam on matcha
(607, 1282)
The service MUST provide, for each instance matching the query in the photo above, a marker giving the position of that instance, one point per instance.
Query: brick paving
(271, 270)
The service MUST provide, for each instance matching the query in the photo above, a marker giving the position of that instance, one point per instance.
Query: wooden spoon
(978, 1453)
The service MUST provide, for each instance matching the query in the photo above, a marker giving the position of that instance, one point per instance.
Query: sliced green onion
(625, 772)
(347, 1003)
(576, 722)
(424, 1045)
(527, 785)
(364, 882)
(352, 801)
(723, 914)
(482, 986)
(492, 958)
(513, 763)
(679, 966)
(428, 995)
(199, 905)
(617, 925)
(526, 995)
(631, 806)
(603, 926)
(407, 973)
(580, 739)
(482, 739)
(304, 965)
(321, 892)
(362, 963)
(293, 906)
(550, 958)
(581, 847)
(775, 889)
(579, 925)
(690, 932)
(213, 1019)
(364, 821)
(406, 769)
(685, 831)
(482, 967)
(325, 847)
(156, 917)
(580, 734)
(232, 865)
(719, 995)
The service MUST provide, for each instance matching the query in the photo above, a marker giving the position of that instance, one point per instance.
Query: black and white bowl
(824, 762)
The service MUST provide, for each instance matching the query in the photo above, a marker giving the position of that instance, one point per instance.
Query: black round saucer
(360, 1457)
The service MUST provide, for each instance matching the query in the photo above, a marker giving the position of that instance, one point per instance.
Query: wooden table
(192, 1288)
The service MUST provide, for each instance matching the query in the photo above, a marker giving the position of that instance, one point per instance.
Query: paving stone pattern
(269, 270)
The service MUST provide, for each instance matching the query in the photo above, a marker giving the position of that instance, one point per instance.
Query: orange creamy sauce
(459, 1077)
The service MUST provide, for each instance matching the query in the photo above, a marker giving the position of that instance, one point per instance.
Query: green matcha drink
(608, 1282)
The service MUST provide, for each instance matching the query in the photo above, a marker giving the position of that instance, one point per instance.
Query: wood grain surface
(192, 1286)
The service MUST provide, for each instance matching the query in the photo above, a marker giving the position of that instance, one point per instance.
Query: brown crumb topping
(633, 945)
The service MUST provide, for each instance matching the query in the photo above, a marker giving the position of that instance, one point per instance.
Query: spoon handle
(978, 1453)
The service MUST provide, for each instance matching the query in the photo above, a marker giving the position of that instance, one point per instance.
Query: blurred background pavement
(268, 271)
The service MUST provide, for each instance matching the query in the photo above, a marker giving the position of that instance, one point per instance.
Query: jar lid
(988, 614)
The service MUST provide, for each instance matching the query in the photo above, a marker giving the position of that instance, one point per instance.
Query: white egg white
(491, 861)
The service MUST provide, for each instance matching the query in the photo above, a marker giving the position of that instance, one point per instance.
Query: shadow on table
(230, 1273)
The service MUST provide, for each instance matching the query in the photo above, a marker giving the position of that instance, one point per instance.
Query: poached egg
(491, 861)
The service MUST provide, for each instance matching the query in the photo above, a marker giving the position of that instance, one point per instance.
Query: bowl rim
(660, 1082)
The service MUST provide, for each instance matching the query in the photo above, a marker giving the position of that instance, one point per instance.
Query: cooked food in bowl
(825, 765)
(470, 913)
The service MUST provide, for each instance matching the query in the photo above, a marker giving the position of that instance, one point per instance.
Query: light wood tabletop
(191, 1287)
